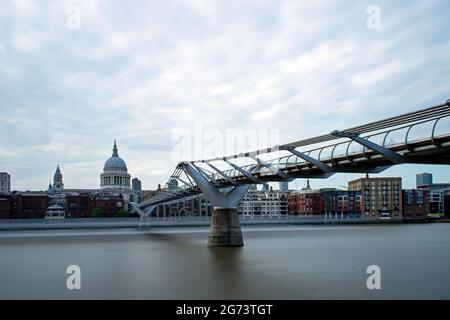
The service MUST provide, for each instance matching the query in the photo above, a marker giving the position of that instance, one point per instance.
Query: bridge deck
(324, 161)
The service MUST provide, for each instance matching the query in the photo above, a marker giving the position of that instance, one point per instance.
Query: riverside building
(381, 198)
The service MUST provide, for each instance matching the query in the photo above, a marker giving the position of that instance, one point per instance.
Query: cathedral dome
(115, 173)
(115, 163)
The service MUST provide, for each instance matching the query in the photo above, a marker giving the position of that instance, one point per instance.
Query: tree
(97, 213)
(122, 213)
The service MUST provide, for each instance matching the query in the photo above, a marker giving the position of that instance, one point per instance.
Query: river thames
(277, 262)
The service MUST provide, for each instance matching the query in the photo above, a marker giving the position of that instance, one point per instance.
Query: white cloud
(267, 114)
(29, 42)
(136, 71)
(25, 9)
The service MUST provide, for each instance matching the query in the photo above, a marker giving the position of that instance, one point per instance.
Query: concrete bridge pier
(225, 226)
(225, 229)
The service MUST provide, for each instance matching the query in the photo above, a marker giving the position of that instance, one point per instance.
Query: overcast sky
(139, 71)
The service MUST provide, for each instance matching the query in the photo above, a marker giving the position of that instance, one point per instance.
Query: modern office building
(436, 198)
(284, 186)
(136, 191)
(423, 179)
(5, 183)
(381, 198)
(136, 184)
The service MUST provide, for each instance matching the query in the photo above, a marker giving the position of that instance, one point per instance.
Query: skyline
(295, 185)
(140, 72)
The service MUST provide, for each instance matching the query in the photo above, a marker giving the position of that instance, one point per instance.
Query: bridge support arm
(244, 172)
(270, 167)
(204, 173)
(217, 198)
(385, 152)
(228, 178)
(182, 181)
(324, 167)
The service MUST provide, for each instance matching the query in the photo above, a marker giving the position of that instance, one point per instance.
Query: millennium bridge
(419, 137)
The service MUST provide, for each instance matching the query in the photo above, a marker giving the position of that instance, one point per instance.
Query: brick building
(305, 203)
(109, 204)
(415, 204)
(30, 205)
(342, 204)
(381, 198)
(35, 205)
(5, 207)
(78, 206)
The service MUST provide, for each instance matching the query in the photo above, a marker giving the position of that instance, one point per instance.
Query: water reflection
(226, 265)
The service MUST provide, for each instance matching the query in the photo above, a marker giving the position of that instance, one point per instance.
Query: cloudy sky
(144, 71)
